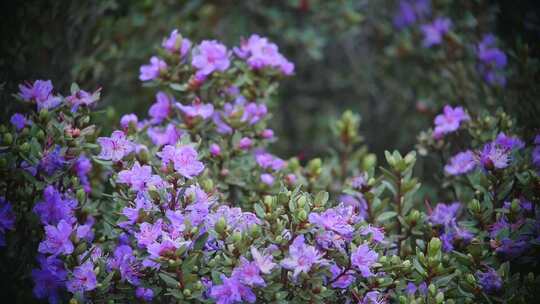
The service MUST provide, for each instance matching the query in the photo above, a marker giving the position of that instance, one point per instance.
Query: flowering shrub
(187, 205)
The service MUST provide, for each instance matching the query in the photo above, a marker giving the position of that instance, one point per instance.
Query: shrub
(188, 205)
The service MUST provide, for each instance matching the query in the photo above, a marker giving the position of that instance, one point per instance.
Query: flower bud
(369, 161)
(24, 147)
(432, 289)
(8, 139)
(187, 292)
(434, 247)
(221, 226)
(301, 202)
(474, 206)
(215, 150)
(81, 195)
(302, 215)
(440, 297)
(43, 114)
(237, 237)
(40, 135)
(207, 185)
(470, 278)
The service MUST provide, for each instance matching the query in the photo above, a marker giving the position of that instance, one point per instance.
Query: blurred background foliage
(348, 55)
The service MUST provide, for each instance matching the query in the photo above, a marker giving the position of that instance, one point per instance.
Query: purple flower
(197, 109)
(248, 273)
(49, 279)
(83, 98)
(267, 134)
(235, 218)
(267, 179)
(493, 156)
(168, 136)
(210, 56)
(302, 257)
(115, 147)
(41, 93)
(124, 260)
(461, 163)
(215, 150)
(535, 154)
(176, 44)
(260, 53)
(148, 233)
(264, 262)
(128, 119)
(376, 233)
(336, 219)
(490, 281)
(145, 294)
(363, 258)
(492, 61)
(82, 167)
(84, 278)
(509, 142)
(161, 109)
(231, 291)
(54, 207)
(52, 161)
(245, 143)
(152, 70)
(434, 32)
(444, 214)
(57, 239)
(373, 297)
(142, 203)
(7, 219)
(269, 161)
(358, 204)
(136, 177)
(19, 121)
(449, 121)
(184, 159)
(340, 278)
(410, 11)
(411, 288)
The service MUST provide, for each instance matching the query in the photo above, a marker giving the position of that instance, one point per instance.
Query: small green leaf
(386, 216)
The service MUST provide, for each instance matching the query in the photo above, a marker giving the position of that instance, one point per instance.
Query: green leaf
(178, 87)
(168, 279)
(259, 211)
(386, 216)
(199, 243)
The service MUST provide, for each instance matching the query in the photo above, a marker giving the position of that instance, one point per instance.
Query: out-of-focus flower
(40, 92)
(435, 31)
(153, 70)
(461, 163)
(210, 56)
(176, 44)
(449, 121)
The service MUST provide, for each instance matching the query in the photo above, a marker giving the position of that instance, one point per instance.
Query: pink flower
(215, 150)
(363, 258)
(184, 159)
(176, 44)
(210, 56)
(161, 109)
(245, 143)
(152, 70)
(302, 257)
(197, 109)
(115, 147)
(449, 121)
